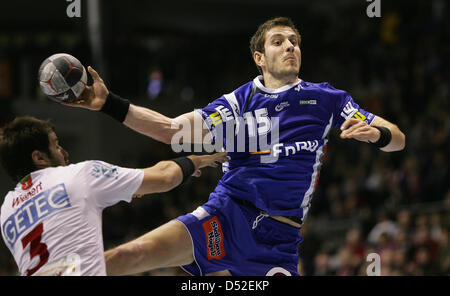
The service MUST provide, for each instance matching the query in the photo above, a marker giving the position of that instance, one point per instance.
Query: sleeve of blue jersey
(215, 113)
(345, 107)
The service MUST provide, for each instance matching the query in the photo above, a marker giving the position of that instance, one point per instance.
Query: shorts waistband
(290, 220)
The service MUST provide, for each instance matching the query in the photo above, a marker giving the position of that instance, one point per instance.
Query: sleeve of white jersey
(109, 184)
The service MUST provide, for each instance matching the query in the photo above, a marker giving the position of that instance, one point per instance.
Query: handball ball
(62, 77)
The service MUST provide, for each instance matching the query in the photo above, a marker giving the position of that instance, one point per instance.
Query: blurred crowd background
(174, 56)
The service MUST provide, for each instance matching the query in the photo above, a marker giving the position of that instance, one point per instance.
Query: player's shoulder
(73, 167)
(72, 171)
(309, 84)
(324, 88)
(88, 163)
(236, 98)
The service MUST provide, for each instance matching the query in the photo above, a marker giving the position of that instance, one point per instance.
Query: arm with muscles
(168, 245)
(143, 120)
(188, 127)
(380, 132)
(166, 175)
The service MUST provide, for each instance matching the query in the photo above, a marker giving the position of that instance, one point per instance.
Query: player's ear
(258, 57)
(39, 158)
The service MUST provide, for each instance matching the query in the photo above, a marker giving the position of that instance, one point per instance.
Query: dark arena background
(174, 56)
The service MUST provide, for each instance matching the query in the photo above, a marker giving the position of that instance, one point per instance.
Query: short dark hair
(259, 38)
(18, 140)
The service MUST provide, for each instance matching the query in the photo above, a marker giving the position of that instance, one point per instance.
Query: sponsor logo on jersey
(26, 182)
(214, 239)
(292, 149)
(26, 196)
(281, 106)
(359, 115)
(222, 114)
(100, 169)
(34, 210)
(308, 102)
(270, 96)
(348, 110)
(216, 119)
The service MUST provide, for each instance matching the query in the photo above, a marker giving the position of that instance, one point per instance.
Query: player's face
(282, 56)
(58, 156)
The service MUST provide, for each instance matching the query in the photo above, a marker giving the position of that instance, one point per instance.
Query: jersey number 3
(36, 247)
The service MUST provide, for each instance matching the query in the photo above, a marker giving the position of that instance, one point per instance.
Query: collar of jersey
(258, 83)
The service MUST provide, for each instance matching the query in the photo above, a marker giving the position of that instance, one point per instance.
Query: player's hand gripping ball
(62, 77)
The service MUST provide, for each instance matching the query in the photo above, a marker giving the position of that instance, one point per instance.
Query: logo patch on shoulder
(103, 170)
(27, 182)
(214, 239)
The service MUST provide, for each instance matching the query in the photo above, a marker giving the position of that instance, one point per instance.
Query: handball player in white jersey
(52, 220)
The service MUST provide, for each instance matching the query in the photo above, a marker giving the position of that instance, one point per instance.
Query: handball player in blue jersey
(274, 129)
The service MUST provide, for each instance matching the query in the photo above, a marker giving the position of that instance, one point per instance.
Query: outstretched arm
(162, 128)
(189, 126)
(166, 175)
(359, 130)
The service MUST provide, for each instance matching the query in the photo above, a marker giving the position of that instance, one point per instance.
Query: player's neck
(273, 82)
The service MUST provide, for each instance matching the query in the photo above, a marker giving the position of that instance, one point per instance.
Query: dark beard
(54, 162)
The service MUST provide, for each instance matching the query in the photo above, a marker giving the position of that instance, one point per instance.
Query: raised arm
(143, 120)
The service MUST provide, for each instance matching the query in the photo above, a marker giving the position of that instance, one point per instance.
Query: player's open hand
(359, 130)
(93, 96)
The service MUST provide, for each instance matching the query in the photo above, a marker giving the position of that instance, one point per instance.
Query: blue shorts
(223, 239)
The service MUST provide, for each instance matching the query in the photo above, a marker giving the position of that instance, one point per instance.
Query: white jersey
(52, 221)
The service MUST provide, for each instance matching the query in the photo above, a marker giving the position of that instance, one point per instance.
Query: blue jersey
(276, 139)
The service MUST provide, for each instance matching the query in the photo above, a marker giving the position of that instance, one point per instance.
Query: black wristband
(187, 166)
(385, 137)
(116, 107)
